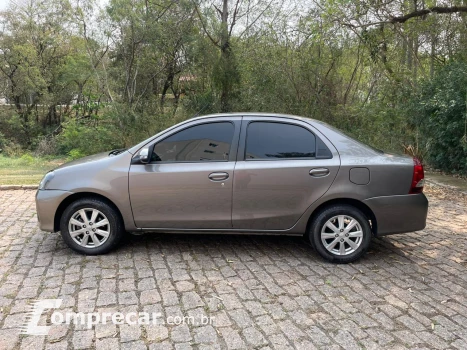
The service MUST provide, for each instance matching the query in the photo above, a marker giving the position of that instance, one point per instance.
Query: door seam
(233, 173)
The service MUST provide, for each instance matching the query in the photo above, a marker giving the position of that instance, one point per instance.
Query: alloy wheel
(342, 235)
(89, 227)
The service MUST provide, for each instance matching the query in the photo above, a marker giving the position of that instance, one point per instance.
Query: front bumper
(47, 203)
(398, 214)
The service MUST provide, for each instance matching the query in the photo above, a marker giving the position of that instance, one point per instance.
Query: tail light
(418, 178)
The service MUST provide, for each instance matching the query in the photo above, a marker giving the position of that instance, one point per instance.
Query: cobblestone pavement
(410, 291)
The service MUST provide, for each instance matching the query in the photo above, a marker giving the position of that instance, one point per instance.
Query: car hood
(89, 159)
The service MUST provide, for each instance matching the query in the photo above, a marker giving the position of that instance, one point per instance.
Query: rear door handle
(218, 176)
(319, 172)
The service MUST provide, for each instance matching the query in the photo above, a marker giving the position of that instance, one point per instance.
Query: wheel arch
(80, 195)
(349, 201)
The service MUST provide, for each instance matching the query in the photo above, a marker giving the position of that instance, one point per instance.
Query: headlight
(49, 176)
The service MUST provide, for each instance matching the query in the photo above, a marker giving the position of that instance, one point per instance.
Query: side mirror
(144, 155)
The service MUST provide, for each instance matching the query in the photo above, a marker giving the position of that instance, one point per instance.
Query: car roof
(254, 114)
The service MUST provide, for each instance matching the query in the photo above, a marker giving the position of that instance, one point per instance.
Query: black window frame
(242, 149)
(233, 145)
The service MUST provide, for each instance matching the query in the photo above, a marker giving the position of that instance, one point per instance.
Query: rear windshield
(351, 136)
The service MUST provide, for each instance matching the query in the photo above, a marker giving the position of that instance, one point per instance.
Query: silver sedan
(238, 173)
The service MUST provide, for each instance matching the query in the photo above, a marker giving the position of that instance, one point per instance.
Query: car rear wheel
(91, 226)
(340, 233)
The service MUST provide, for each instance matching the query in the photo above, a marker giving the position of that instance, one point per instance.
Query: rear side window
(205, 142)
(267, 140)
(322, 151)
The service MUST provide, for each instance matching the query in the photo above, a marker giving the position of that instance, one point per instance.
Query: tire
(330, 227)
(100, 239)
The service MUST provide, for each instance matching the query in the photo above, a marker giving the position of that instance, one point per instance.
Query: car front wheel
(340, 233)
(91, 226)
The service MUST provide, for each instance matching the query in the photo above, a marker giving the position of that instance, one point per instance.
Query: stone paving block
(191, 300)
(82, 339)
(180, 333)
(138, 345)
(205, 335)
(254, 337)
(32, 342)
(107, 344)
(129, 332)
(156, 333)
(232, 338)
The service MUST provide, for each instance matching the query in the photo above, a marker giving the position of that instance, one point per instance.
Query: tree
(220, 34)
(34, 46)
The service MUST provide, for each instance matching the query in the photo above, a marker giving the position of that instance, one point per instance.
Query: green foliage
(202, 103)
(3, 141)
(78, 83)
(76, 154)
(9, 147)
(440, 111)
(384, 122)
(226, 78)
(79, 138)
(27, 158)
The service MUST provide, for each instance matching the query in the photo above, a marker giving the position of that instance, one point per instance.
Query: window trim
(233, 144)
(276, 159)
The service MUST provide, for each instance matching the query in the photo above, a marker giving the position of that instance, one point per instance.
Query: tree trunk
(225, 58)
(52, 114)
(225, 89)
(463, 33)
(169, 79)
(432, 54)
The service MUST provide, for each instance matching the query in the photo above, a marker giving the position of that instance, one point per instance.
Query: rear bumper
(398, 214)
(47, 202)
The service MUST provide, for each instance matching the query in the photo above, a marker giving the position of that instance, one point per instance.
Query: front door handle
(319, 172)
(218, 176)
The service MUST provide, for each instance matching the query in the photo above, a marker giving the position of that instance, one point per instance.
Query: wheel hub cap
(85, 237)
(342, 235)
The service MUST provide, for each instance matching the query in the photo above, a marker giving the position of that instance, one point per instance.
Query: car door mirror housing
(144, 155)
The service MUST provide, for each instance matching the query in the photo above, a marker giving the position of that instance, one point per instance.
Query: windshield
(349, 134)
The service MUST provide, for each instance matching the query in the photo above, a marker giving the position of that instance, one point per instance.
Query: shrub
(12, 149)
(46, 147)
(27, 159)
(88, 139)
(440, 112)
(9, 148)
(3, 141)
(75, 154)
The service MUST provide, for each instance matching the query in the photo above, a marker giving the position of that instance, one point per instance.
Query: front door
(188, 182)
(282, 168)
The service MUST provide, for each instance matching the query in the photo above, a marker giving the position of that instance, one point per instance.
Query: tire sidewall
(115, 223)
(323, 217)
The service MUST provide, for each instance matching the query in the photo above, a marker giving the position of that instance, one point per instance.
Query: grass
(25, 170)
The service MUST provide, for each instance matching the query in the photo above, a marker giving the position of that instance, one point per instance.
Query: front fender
(106, 176)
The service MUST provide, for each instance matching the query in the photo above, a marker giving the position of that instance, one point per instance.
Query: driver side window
(205, 142)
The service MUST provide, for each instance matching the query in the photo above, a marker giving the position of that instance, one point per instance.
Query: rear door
(188, 183)
(283, 166)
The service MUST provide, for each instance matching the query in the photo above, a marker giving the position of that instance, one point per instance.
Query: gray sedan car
(238, 173)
